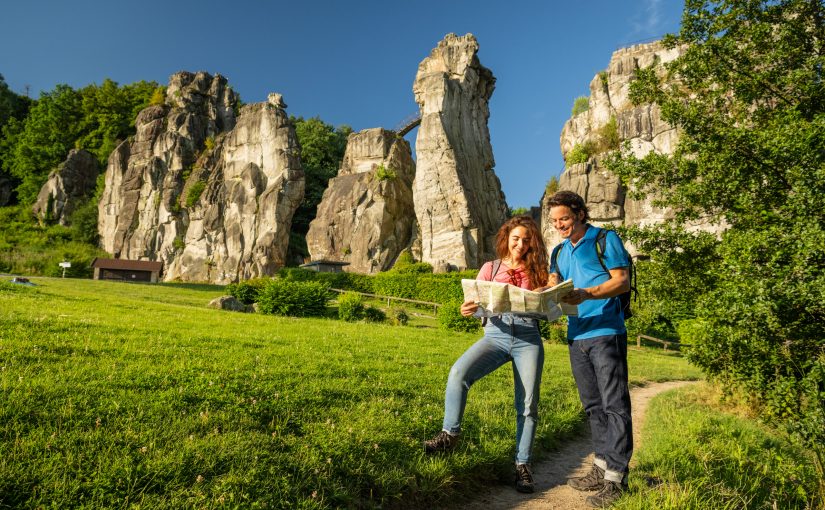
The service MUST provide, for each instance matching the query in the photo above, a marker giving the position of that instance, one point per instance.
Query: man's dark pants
(600, 368)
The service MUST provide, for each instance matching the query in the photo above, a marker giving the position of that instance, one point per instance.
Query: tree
(12, 107)
(94, 118)
(322, 149)
(748, 97)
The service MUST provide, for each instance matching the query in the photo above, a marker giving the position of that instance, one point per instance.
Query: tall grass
(125, 394)
(716, 460)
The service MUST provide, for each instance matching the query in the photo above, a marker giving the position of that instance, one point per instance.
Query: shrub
(194, 193)
(403, 260)
(373, 314)
(158, 96)
(552, 186)
(608, 136)
(247, 291)
(440, 288)
(209, 143)
(580, 153)
(350, 307)
(401, 285)
(297, 274)
(296, 299)
(604, 78)
(414, 268)
(450, 318)
(553, 332)
(385, 173)
(399, 317)
(581, 105)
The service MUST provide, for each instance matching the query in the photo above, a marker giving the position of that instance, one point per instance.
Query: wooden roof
(128, 265)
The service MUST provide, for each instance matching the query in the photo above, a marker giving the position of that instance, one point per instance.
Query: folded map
(494, 298)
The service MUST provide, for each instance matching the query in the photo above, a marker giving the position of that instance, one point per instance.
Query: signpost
(64, 265)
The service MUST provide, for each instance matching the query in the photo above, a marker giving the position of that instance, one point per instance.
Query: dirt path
(574, 459)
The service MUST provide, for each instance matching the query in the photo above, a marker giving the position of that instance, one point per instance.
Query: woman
(507, 338)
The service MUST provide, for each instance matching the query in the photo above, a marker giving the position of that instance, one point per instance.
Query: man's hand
(468, 308)
(576, 296)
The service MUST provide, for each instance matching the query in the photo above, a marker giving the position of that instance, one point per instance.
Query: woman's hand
(468, 308)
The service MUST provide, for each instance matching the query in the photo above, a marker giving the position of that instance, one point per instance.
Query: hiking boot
(611, 491)
(442, 442)
(592, 481)
(524, 478)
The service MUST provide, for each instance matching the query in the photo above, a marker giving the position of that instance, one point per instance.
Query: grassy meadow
(117, 395)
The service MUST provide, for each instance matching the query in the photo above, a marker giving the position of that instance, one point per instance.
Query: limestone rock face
(366, 214)
(459, 204)
(68, 185)
(210, 196)
(609, 110)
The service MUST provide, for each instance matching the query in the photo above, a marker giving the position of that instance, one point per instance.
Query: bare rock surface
(610, 109)
(229, 303)
(459, 204)
(366, 214)
(69, 185)
(209, 195)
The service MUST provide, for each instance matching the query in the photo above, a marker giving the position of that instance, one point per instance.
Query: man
(597, 342)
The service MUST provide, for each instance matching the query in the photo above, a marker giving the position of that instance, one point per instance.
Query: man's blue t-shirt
(597, 317)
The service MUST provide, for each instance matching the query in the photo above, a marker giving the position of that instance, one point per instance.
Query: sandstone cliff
(210, 197)
(69, 185)
(366, 214)
(610, 120)
(459, 204)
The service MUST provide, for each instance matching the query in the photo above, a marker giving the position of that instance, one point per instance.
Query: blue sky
(347, 62)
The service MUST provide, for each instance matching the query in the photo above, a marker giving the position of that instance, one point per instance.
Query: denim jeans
(600, 368)
(506, 338)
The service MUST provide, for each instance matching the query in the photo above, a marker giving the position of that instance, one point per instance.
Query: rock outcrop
(69, 185)
(611, 120)
(366, 214)
(209, 195)
(459, 204)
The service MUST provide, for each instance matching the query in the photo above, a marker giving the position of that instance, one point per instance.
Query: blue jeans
(506, 338)
(600, 368)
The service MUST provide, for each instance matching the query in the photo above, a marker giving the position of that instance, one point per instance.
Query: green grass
(716, 460)
(119, 394)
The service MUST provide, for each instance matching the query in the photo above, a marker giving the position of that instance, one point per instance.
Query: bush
(247, 291)
(608, 136)
(399, 317)
(441, 288)
(450, 318)
(581, 105)
(385, 173)
(580, 153)
(553, 332)
(401, 285)
(373, 314)
(296, 299)
(350, 307)
(194, 193)
(413, 268)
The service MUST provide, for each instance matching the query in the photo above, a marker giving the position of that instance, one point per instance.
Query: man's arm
(619, 283)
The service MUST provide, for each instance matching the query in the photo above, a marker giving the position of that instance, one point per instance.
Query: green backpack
(601, 243)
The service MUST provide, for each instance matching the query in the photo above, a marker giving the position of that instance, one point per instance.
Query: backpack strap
(601, 243)
(493, 273)
(554, 258)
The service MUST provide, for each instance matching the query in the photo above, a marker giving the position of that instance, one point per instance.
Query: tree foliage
(748, 97)
(95, 118)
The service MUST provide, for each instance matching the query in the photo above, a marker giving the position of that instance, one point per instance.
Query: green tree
(94, 118)
(322, 149)
(748, 97)
(12, 107)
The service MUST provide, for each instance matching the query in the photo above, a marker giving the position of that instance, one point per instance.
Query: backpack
(600, 244)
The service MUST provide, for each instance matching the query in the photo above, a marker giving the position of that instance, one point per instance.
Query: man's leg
(587, 385)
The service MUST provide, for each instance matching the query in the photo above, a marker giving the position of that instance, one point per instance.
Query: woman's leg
(483, 357)
(528, 361)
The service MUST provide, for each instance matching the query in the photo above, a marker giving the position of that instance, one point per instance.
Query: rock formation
(366, 214)
(211, 198)
(610, 120)
(459, 204)
(69, 185)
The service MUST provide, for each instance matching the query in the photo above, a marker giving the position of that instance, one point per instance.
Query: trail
(574, 459)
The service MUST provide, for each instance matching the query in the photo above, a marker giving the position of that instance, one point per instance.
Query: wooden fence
(393, 298)
(666, 343)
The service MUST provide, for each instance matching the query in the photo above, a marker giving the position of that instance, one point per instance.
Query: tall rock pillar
(459, 204)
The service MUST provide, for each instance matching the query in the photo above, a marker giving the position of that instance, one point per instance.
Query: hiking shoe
(611, 491)
(442, 442)
(592, 481)
(524, 478)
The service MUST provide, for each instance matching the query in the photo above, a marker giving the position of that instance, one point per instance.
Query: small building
(325, 266)
(127, 270)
